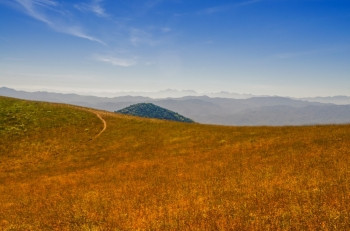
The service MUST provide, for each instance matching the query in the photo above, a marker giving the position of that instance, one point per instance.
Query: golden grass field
(144, 174)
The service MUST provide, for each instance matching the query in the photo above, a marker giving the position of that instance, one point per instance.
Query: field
(147, 174)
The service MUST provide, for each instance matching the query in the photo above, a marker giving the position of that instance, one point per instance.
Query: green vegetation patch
(37, 135)
(19, 117)
(150, 110)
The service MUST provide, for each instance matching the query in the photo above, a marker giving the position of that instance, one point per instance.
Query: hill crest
(150, 110)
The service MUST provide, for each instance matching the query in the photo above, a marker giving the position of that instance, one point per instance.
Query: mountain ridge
(207, 110)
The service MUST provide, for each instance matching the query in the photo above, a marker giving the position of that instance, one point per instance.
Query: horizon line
(133, 93)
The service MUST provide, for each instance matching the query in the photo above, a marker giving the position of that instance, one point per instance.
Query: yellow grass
(143, 174)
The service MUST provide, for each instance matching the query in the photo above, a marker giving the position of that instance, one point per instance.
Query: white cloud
(36, 9)
(93, 6)
(30, 8)
(142, 37)
(115, 61)
(77, 31)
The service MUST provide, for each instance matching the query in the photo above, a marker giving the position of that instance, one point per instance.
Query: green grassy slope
(148, 174)
(35, 135)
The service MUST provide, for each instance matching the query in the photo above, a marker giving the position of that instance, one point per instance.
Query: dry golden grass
(143, 174)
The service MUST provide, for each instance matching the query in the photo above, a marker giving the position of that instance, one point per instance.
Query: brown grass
(143, 174)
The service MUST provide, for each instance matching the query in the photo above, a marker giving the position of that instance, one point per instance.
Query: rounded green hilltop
(149, 110)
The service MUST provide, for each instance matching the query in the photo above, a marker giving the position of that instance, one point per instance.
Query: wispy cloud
(78, 32)
(37, 9)
(142, 37)
(115, 61)
(248, 2)
(31, 8)
(222, 8)
(152, 3)
(296, 54)
(93, 6)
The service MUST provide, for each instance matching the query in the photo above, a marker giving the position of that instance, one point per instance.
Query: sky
(298, 48)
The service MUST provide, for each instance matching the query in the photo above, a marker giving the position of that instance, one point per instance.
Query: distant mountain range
(339, 100)
(265, 110)
(149, 110)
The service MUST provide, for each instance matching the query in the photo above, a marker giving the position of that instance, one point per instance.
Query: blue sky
(271, 47)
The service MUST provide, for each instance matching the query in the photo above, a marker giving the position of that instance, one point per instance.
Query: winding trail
(103, 121)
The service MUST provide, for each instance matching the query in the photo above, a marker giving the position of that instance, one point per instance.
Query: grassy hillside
(149, 110)
(148, 174)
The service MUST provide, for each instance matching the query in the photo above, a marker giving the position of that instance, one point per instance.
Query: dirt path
(98, 114)
(103, 121)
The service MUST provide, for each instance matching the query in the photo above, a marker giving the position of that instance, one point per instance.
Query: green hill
(149, 110)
